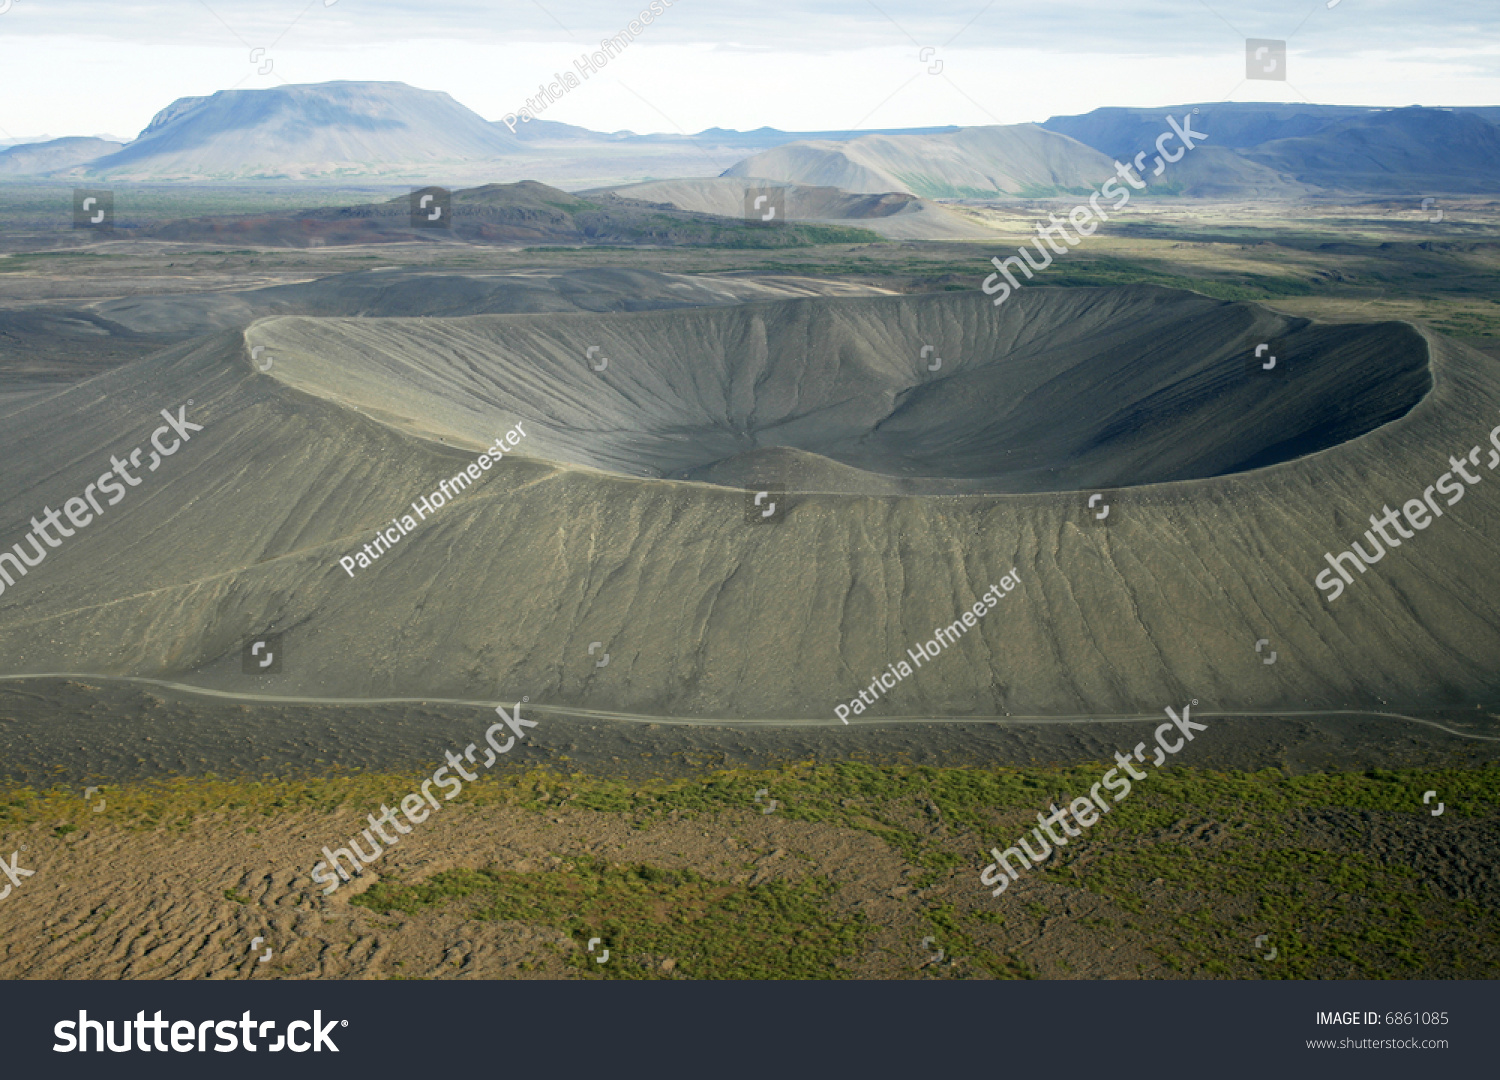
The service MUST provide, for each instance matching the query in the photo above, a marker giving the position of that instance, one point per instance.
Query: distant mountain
(976, 162)
(1330, 147)
(304, 132)
(1021, 159)
(44, 157)
(525, 213)
(1122, 132)
(1397, 150)
(389, 131)
(1216, 172)
(550, 131)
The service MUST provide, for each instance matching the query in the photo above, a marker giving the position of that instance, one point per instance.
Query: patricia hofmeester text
(942, 637)
(388, 537)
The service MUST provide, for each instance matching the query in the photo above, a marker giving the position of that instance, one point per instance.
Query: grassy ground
(661, 922)
(1197, 874)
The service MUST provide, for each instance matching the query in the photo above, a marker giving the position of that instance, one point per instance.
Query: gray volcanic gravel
(1224, 490)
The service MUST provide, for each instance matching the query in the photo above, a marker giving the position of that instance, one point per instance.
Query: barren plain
(639, 806)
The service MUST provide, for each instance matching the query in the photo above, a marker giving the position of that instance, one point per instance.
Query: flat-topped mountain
(307, 131)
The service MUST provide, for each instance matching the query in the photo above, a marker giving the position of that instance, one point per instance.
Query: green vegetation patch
(1240, 286)
(1220, 869)
(648, 916)
(855, 794)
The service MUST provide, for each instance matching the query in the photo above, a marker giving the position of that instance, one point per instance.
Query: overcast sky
(84, 67)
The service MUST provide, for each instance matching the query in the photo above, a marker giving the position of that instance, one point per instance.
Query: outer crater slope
(912, 491)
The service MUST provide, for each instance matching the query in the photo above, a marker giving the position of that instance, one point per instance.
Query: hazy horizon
(845, 65)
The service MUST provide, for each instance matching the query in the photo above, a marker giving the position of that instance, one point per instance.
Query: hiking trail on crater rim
(907, 492)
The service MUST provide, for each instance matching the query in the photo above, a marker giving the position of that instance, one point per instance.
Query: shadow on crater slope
(1055, 391)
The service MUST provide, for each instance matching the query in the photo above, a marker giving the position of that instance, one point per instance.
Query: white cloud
(80, 66)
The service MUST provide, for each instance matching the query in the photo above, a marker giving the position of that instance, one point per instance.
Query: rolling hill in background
(524, 213)
(971, 163)
(894, 215)
(1252, 151)
(28, 159)
(1019, 160)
